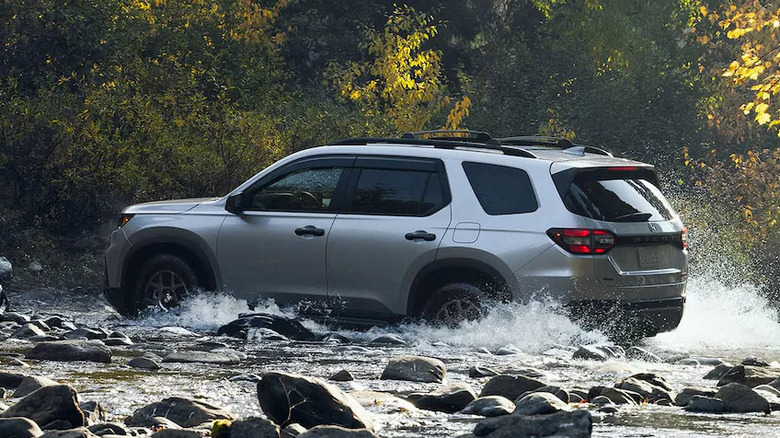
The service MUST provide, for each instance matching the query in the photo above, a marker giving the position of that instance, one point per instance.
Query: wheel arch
(441, 272)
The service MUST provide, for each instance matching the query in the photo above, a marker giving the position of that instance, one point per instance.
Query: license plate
(648, 257)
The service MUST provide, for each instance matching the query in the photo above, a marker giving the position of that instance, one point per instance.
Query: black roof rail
(491, 144)
(451, 134)
(562, 143)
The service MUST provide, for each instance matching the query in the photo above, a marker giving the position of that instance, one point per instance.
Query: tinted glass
(302, 190)
(617, 200)
(501, 190)
(397, 192)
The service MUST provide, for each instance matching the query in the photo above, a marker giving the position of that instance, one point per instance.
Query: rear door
(649, 247)
(395, 215)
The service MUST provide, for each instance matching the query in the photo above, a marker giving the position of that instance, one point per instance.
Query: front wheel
(455, 303)
(164, 281)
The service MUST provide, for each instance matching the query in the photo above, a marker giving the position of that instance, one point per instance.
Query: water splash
(203, 312)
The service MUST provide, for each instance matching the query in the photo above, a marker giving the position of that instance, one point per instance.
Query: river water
(724, 322)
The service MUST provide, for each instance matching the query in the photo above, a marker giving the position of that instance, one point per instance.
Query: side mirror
(234, 203)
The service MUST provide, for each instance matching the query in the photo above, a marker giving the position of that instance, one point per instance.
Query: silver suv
(433, 225)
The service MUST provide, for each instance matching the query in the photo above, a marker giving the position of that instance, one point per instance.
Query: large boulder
(79, 432)
(539, 403)
(254, 427)
(291, 398)
(741, 398)
(687, 394)
(710, 405)
(19, 427)
(185, 412)
(73, 350)
(644, 388)
(450, 398)
(10, 380)
(280, 324)
(749, 375)
(551, 389)
(510, 387)
(415, 369)
(31, 383)
(490, 406)
(49, 404)
(574, 424)
(617, 395)
(719, 371)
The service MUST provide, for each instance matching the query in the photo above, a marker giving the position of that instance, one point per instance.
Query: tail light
(582, 241)
(684, 237)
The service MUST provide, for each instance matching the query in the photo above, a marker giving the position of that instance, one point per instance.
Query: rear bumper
(649, 316)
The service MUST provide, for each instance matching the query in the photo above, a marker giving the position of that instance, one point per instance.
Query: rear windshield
(617, 200)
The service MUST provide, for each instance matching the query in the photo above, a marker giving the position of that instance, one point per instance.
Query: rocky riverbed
(75, 368)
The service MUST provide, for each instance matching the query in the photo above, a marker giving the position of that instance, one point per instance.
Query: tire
(455, 303)
(164, 281)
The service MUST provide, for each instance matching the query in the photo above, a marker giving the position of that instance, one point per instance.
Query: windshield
(617, 200)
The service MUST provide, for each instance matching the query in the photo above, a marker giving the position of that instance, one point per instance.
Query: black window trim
(530, 182)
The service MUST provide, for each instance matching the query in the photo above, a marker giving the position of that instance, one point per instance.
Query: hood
(172, 206)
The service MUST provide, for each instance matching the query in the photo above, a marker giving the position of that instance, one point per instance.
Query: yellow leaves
(703, 11)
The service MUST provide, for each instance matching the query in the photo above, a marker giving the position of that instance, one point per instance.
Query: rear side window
(397, 192)
(500, 189)
(617, 200)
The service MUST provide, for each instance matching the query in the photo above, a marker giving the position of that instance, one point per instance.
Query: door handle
(421, 234)
(309, 230)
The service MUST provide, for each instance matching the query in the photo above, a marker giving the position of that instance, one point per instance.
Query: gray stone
(653, 379)
(388, 340)
(741, 398)
(15, 317)
(342, 376)
(687, 394)
(589, 352)
(749, 375)
(264, 334)
(292, 431)
(10, 380)
(554, 390)
(41, 325)
(644, 388)
(90, 351)
(27, 331)
(477, 371)
(290, 398)
(524, 371)
(508, 350)
(201, 357)
(101, 429)
(93, 412)
(19, 427)
(15, 362)
(574, 424)
(771, 394)
(144, 363)
(415, 369)
(718, 372)
(616, 395)
(336, 432)
(49, 404)
(179, 433)
(85, 333)
(254, 427)
(510, 387)
(80, 432)
(601, 401)
(638, 353)
(185, 412)
(31, 383)
(710, 405)
(449, 398)
(539, 403)
(285, 326)
(490, 406)
(117, 341)
(754, 361)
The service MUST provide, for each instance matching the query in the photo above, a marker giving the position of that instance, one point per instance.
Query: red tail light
(684, 237)
(582, 241)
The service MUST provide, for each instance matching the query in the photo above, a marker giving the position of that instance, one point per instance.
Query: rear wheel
(164, 281)
(455, 303)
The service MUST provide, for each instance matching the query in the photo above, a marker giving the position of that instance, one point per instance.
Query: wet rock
(415, 369)
(117, 340)
(575, 398)
(280, 324)
(336, 338)
(93, 412)
(741, 398)
(653, 379)
(638, 353)
(144, 363)
(593, 352)
(554, 390)
(48, 404)
(292, 431)
(754, 361)
(478, 371)
(383, 402)
(508, 350)
(688, 362)
(450, 398)
(490, 406)
(156, 423)
(749, 375)
(771, 394)
(601, 401)
(179, 433)
(19, 427)
(80, 432)
(27, 331)
(342, 376)
(539, 403)
(201, 357)
(647, 390)
(254, 427)
(65, 351)
(710, 405)
(254, 378)
(574, 424)
(510, 387)
(31, 383)
(290, 398)
(85, 333)
(524, 371)
(176, 332)
(718, 372)
(59, 323)
(336, 432)
(10, 380)
(609, 409)
(388, 340)
(18, 318)
(41, 325)
(710, 361)
(58, 425)
(101, 429)
(264, 334)
(185, 412)
(616, 395)
(351, 349)
(687, 394)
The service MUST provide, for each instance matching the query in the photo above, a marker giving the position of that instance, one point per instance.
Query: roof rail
(491, 144)
(562, 143)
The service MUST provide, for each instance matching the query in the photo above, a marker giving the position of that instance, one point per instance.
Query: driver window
(301, 190)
